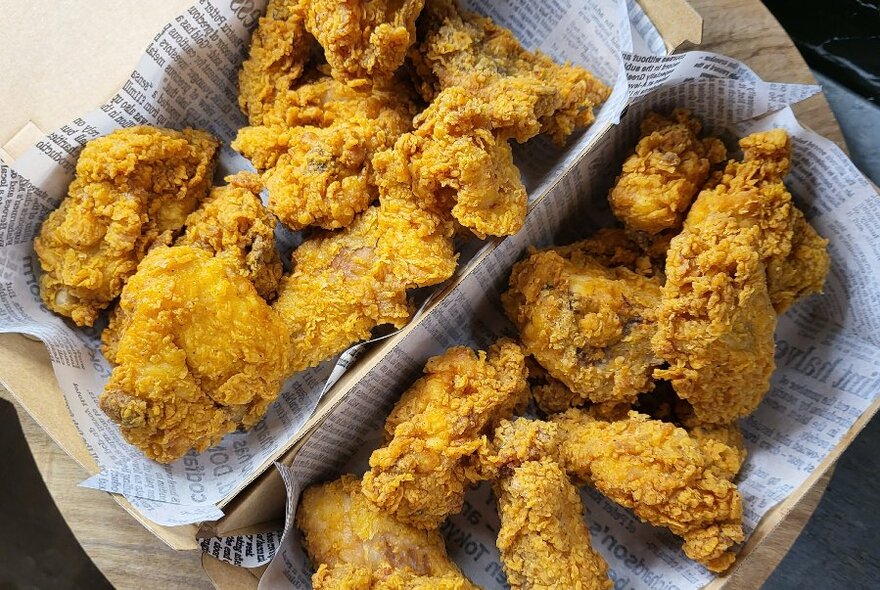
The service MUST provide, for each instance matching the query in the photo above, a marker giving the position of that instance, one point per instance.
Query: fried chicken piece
(346, 283)
(722, 444)
(662, 176)
(716, 321)
(659, 472)
(462, 49)
(589, 325)
(614, 247)
(316, 146)
(544, 540)
(803, 271)
(199, 354)
(133, 189)
(280, 47)
(436, 429)
(458, 161)
(233, 223)
(364, 42)
(356, 545)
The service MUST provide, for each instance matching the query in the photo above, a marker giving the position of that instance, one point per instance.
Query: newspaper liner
(187, 77)
(827, 347)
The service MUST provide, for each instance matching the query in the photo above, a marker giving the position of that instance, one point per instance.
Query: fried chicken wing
(803, 271)
(199, 354)
(436, 429)
(484, 89)
(544, 540)
(458, 162)
(364, 42)
(233, 223)
(717, 317)
(660, 179)
(589, 325)
(462, 49)
(346, 283)
(356, 545)
(315, 149)
(280, 47)
(133, 189)
(722, 444)
(661, 473)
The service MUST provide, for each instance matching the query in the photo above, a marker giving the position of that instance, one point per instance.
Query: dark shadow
(37, 548)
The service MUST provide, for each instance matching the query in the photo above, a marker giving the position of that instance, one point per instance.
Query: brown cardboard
(677, 22)
(83, 50)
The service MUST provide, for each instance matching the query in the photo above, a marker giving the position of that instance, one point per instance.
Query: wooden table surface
(131, 557)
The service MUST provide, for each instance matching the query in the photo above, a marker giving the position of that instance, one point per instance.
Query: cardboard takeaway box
(90, 75)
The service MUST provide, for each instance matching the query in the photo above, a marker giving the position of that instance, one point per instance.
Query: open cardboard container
(26, 372)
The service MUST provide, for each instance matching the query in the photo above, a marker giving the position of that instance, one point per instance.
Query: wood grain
(131, 557)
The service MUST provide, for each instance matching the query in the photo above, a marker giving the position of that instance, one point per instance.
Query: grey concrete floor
(840, 546)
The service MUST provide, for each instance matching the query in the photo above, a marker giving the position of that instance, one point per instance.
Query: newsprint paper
(188, 78)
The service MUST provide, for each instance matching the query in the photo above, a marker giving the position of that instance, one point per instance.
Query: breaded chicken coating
(589, 325)
(133, 189)
(544, 540)
(458, 162)
(280, 48)
(364, 41)
(346, 283)
(199, 354)
(437, 428)
(717, 320)
(315, 149)
(664, 173)
(463, 49)
(660, 472)
(233, 223)
(803, 271)
(613, 247)
(356, 545)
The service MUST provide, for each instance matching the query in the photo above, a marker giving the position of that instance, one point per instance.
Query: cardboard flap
(676, 20)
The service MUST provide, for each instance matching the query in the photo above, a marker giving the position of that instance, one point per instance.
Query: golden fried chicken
(485, 89)
(436, 429)
(356, 545)
(462, 49)
(280, 47)
(661, 473)
(613, 247)
(660, 179)
(589, 325)
(346, 283)
(364, 41)
(458, 162)
(316, 147)
(803, 271)
(544, 540)
(198, 354)
(133, 189)
(717, 319)
(233, 223)
(722, 444)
